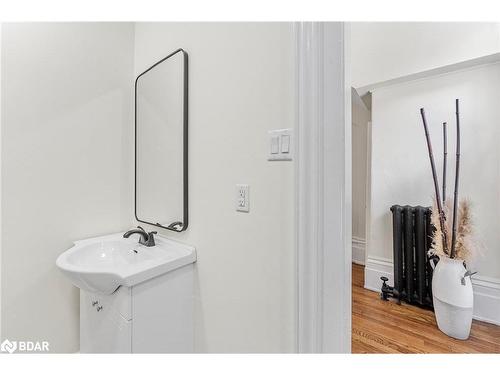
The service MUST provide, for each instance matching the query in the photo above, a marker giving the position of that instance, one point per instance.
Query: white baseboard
(486, 299)
(486, 289)
(375, 268)
(358, 250)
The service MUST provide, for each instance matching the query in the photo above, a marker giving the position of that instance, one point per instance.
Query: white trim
(323, 189)
(442, 70)
(486, 289)
(1, 127)
(368, 189)
(358, 250)
(486, 299)
(375, 268)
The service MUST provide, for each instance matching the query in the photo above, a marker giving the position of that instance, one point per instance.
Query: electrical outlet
(242, 198)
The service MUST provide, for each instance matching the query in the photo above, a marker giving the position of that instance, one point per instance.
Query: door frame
(323, 187)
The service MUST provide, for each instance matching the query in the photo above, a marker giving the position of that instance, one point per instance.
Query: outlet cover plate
(242, 198)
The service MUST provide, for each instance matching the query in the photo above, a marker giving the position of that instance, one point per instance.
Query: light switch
(285, 144)
(242, 198)
(275, 144)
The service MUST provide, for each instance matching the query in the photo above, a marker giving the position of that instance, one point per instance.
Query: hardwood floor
(386, 327)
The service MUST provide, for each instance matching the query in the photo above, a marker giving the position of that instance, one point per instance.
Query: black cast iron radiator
(412, 238)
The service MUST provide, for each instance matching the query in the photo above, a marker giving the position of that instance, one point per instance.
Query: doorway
(397, 68)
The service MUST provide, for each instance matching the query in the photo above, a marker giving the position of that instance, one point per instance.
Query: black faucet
(146, 239)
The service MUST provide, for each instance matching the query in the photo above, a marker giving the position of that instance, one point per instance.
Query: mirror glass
(161, 143)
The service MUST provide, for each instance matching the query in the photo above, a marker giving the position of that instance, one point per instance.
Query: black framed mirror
(161, 143)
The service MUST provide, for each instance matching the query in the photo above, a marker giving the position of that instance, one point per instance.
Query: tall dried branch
(440, 211)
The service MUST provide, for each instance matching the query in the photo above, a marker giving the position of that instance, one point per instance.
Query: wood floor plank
(386, 327)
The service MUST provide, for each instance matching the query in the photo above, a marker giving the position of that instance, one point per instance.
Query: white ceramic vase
(453, 298)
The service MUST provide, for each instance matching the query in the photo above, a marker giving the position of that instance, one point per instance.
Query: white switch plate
(285, 145)
(242, 198)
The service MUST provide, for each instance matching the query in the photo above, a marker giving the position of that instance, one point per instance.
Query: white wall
(66, 164)
(241, 83)
(401, 171)
(387, 50)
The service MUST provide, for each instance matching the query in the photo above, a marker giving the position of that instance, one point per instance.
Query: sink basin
(102, 264)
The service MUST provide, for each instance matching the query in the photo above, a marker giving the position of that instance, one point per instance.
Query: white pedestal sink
(133, 298)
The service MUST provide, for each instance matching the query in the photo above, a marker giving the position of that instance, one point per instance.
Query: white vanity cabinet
(155, 316)
(133, 298)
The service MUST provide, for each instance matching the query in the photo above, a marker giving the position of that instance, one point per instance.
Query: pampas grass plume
(467, 247)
